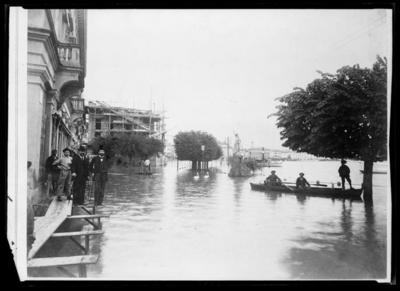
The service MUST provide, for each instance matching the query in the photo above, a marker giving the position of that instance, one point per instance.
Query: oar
(322, 185)
(288, 187)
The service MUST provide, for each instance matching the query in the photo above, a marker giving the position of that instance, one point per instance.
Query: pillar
(51, 101)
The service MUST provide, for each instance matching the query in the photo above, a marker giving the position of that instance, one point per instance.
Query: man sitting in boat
(273, 179)
(301, 182)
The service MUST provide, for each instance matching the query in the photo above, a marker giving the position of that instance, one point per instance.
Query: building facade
(274, 154)
(56, 73)
(106, 120)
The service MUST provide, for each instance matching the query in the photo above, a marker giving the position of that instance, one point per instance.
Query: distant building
(259, 154)
(169, 150)
(104, 120)
(273, 154)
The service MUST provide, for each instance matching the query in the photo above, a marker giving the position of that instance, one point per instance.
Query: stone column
(50, 107)
(51, 102)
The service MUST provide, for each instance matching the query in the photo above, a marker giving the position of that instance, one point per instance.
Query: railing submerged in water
(69, 54)
(48, 226)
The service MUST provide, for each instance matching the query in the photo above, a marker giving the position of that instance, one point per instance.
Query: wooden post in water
(82, 271)
(86, 244)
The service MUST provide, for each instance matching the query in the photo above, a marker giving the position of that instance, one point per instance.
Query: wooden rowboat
(376, 172)
(312, 191)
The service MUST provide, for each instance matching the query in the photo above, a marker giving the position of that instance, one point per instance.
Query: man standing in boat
(344, 173)
(273, 179)
(301, 182)
(99, 169)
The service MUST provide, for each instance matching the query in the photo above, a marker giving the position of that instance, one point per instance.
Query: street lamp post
(203, 147)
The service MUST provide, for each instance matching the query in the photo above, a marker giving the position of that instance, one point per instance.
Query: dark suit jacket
(96, 166)
(50, 168)
(344, 171)
(80, 166)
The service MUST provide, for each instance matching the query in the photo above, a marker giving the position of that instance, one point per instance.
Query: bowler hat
(66, 149)
(82, 148)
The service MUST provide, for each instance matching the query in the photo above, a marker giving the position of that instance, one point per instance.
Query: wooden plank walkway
(77, 233)
(62, 261)
(88, 216)
(45, 226)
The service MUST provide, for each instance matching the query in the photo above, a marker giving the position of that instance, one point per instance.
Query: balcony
(69, 55)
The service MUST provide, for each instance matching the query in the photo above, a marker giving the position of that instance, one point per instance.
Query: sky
(220, 71)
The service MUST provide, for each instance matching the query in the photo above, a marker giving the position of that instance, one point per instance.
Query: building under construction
(106, 120)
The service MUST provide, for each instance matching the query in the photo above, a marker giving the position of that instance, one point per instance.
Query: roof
(123, 110)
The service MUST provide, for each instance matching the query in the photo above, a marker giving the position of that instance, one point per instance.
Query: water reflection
(171, 226)
(346, 220)
(301, 198)
(188, 186)
(348, 249)
(238, 184)
(273, 196)
(373, 242)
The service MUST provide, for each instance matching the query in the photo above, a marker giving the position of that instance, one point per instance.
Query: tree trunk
(194, 164)
(130, 159)
(367, 180)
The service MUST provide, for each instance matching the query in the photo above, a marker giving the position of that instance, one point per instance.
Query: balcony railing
(69, 55)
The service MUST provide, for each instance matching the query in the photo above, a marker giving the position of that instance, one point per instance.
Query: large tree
(128, 145)
(188, 147)
(342, 115)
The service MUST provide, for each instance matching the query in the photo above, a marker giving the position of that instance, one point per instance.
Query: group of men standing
(67, 176)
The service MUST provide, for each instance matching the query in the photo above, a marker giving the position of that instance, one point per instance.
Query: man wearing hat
(79, 174)
(273, 179)
(52, 173)
(99, 169)
(301, 182)
(344, 173)
(64, 180)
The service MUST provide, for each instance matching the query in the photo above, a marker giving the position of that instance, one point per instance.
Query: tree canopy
(133, 145)
(342, 115)
(188, 146)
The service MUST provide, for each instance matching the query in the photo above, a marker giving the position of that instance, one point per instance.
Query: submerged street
(138, 156)
(170, 226)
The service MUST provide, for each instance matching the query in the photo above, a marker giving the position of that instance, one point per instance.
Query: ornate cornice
(43, 70)
(53, 95)
(47, 37)
(41, 73)
(55, 64)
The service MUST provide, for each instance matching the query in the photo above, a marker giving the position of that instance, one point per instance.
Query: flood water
(169, 226)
